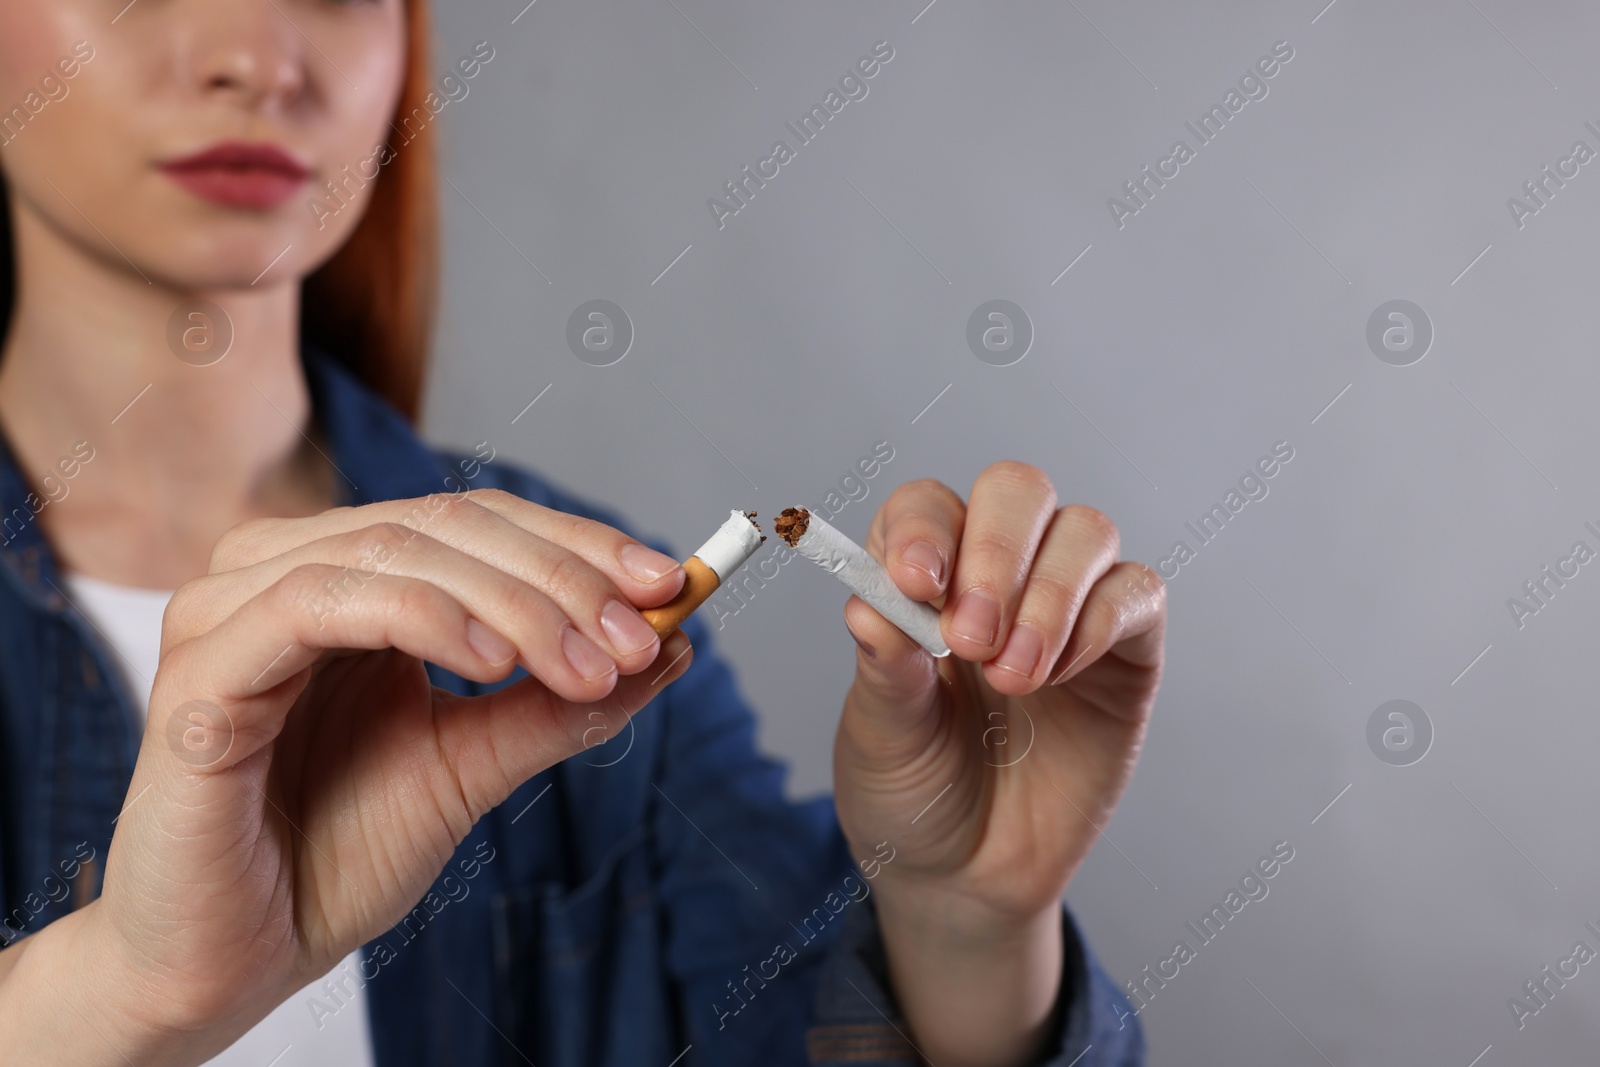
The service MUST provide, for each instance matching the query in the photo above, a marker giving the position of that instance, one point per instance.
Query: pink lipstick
(238, 174)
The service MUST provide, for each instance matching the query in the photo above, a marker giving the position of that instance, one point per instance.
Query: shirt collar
(379, 455)
(376, 452)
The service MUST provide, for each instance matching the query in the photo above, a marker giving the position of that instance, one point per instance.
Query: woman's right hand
(301, 783)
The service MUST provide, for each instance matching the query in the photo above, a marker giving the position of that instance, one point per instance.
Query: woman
(366, 819)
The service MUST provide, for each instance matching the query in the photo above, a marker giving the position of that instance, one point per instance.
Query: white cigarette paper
(867, 579)
(735, 541)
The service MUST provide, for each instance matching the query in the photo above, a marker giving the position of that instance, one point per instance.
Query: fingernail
(586, 657)
(1023, 649)
(868, 649)
(977, 617)
(626, 628)
(925, 556)
(646, 564)
(488, 644)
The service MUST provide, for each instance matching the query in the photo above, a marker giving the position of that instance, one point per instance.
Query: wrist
(956, 926)
(70, 997)
(958, 916)
(977, 986)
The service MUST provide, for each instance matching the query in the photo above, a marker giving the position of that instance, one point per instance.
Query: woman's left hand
(990, 773)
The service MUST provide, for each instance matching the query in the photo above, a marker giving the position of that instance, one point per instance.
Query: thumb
(495, 741)
(896, 688)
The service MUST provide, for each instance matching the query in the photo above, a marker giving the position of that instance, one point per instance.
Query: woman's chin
(252, 271)
(229, 257)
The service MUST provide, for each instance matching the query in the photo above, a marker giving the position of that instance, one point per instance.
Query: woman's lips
(236, 174)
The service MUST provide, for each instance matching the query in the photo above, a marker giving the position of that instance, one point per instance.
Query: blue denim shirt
(654, 897)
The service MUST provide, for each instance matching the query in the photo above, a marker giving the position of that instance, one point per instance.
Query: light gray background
(1227, 315)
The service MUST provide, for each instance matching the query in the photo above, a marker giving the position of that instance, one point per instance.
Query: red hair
(372, 305)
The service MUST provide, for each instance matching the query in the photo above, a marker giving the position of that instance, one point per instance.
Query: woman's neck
(180, 452)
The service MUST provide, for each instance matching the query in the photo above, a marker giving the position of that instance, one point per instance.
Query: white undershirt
(130, 621)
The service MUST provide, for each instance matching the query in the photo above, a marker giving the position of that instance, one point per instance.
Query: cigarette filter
(835, 553)
(735, 541)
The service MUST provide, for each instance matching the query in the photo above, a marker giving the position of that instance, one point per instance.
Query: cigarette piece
(735, 541)
(847, 561)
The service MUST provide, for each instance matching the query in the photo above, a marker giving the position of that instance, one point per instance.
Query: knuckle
(1140, 590)
(390, 530)
(992, 543)
(419, 512)
(492, 498)
(924, 486)
(1112, 612)
(176, 654)
(182, 601)
(320, 590)
(566, 574)
(577, 528)
(1093, 520)
(1148, 578)
(239, 544)
(180, 615)
(304, 582)
(919, 493)
(454, 507)
(413, 599)
(1024, 475)
(379, 542)
(1056, 589)
(526, 604)
(565, 528)
(1146, 584)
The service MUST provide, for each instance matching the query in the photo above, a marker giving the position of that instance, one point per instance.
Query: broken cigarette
(735, 541)
(835, 553)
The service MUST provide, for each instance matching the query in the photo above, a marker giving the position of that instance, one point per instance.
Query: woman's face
(191, 138)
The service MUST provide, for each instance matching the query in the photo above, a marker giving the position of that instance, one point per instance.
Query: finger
(1078, 547)
(494, 743)
(895, 686)
(647, 577)
(273, 638)
(546, 588)
(1011, 505)
(914, 534)
(584, 592)
(1122, 624)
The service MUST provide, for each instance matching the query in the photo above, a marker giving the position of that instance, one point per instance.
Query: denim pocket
(579, 972)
